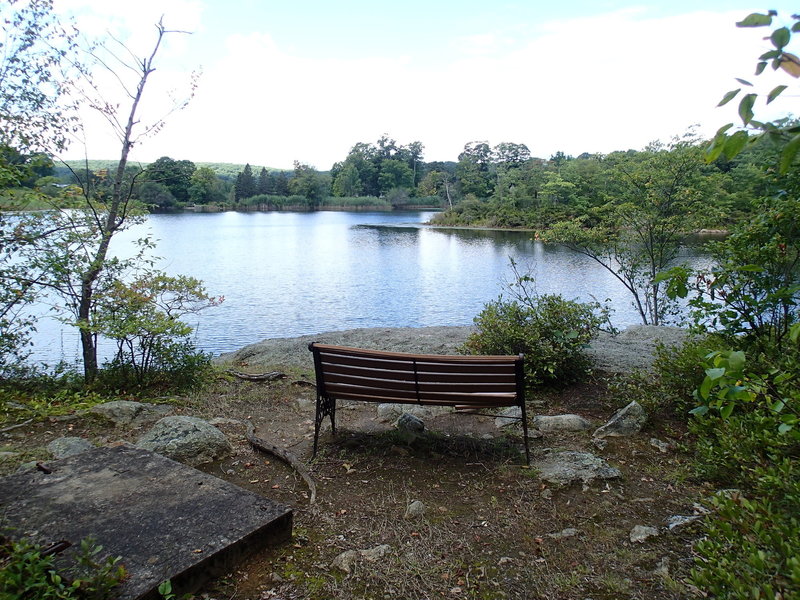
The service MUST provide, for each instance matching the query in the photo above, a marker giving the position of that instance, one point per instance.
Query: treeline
(487, 186)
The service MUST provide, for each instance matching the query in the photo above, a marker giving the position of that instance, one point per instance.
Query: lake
(288, 274)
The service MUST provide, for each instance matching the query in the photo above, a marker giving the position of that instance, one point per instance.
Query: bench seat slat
(420, 367)
(477, 375)
(332, 379)
(381, 393)
(456, 400)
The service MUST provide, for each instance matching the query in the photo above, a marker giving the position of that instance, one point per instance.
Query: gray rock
(510, 415)
(415, 510)
(561, 423)
(681, 520)
(189, 440)
(410, 423)
(662, 447)
(642, 532)
(345, 561)
(563, 468)
(564, 533)
(127, 413)
(376, 553)
(68, 446)
(626, 421)
(391, 412)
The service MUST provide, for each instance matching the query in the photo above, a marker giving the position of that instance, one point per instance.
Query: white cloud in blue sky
(286, 81)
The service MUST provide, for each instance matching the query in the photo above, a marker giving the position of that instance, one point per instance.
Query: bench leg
(525, 435)
(325, 406)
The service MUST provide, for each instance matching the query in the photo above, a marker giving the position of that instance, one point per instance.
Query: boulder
(626, 421)
(563, 468)
(131, 414)
(68, 446)
(548, 423)
(189, 440)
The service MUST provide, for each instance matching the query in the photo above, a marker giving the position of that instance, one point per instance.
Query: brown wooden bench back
(463, 382)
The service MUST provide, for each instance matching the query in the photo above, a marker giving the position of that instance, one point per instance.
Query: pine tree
(245, 186)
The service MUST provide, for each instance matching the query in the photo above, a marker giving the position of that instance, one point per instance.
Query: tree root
(271, 376)
(283, 455)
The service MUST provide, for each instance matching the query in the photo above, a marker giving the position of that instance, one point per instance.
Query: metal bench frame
(467, 383)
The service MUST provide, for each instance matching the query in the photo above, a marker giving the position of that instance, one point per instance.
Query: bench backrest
(462, 381)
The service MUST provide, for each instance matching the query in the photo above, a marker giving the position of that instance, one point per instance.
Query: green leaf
(715, 374)
(736, 360)
(699, 411)
(760, 67)
(796, 27)
(755, 20)
(735, 143)
(768, 55)
(780, 37)
(775, 93)
(789, 153)
(784, 428)
(750, 268)
(746, 107)
(705, 388)
(727, 410)
(729, 96)
(744, 82)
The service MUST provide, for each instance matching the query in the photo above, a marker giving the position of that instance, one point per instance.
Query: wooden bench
(466, 383)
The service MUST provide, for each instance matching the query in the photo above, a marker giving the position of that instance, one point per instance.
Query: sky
(305, 80)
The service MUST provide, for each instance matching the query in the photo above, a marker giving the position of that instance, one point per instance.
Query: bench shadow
(428, 445)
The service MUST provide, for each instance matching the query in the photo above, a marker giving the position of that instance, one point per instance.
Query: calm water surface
(290, 274)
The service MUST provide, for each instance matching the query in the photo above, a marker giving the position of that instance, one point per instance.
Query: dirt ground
(491, 528)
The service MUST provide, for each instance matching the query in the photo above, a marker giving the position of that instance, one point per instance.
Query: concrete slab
(166, 520)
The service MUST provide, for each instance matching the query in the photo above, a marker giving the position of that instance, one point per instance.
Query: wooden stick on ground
(271, 376)
(283, 455)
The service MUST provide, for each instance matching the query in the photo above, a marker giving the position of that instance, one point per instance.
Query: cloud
(593, 84)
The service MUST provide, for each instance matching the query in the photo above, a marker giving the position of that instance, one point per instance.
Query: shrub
(27, 572)
(751, 549)
(550, 331)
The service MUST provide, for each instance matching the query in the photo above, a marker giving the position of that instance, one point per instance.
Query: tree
(245, 186)
(473, 170)
(40, 58)
(263, 182)
(206, 187)
(175, 175)
(310, 183)
(80, 266)
(636, 235)
(347, 182)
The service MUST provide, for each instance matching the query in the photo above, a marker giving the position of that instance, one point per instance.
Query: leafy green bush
(27, 573)
(751, 549)
(550, 331)
(153, 345)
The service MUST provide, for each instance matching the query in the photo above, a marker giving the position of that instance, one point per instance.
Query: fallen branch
(271, 376)
(284, 455)
(15, 426)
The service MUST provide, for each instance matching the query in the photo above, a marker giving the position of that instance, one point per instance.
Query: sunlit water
(290, 274)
